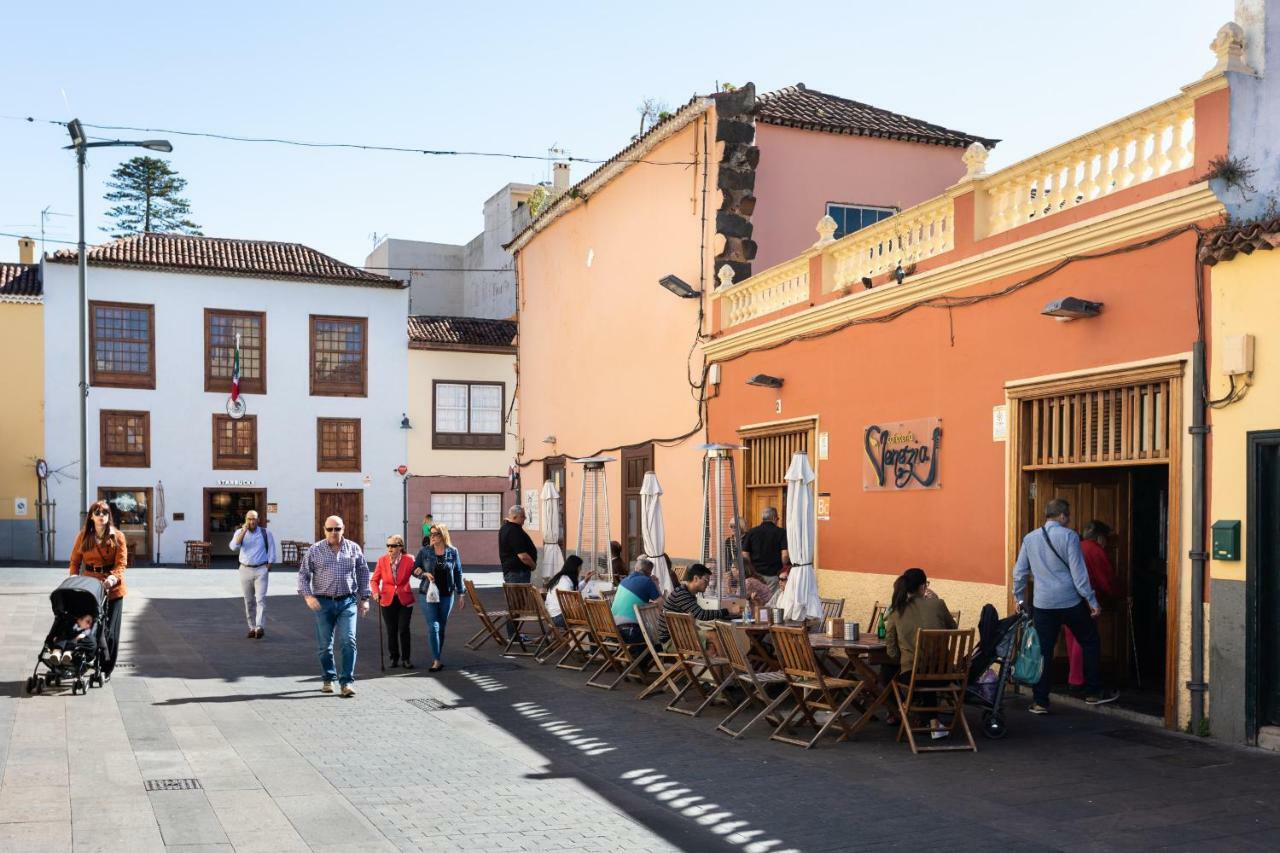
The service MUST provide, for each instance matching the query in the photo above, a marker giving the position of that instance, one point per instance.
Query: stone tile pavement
(497, 754)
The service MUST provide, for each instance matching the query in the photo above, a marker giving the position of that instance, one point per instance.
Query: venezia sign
(902, 455)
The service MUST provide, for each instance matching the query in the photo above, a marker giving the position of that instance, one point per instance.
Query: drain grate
(431, 705)
(496, 666)
(172, 784)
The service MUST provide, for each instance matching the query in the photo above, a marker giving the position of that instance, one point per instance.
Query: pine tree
(147, 197)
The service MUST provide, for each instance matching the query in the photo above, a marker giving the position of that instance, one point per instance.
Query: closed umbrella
(161, 522)
(800, 599)
(551, 559)
(652, 531)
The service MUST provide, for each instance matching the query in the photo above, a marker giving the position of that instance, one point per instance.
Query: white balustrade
(913, 235)
(772, 290)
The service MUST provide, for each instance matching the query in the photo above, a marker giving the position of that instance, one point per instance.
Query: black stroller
(75, 597)
(992, 665)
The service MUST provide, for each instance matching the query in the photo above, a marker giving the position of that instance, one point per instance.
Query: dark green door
(1266, 524)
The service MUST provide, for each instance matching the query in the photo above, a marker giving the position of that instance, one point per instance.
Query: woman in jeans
(440, 564)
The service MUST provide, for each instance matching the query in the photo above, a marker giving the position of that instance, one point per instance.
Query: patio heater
(721, 536)
(594, 531)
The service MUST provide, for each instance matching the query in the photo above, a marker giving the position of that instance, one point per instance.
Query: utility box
(1226, 540)
(1237, 355)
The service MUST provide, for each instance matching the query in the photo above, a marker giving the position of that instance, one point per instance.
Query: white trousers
(253, 583)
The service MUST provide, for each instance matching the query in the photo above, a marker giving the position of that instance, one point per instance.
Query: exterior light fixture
(866, 282)
(404, 421)
(679, 287)
(764, 380)
(1071, 308)
(899, 273)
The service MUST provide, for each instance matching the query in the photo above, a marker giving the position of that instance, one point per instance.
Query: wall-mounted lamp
(679, 287)
(764, 380)
(866, 282)
(1071, 308)
(899, 273)
(404, 421)
(551, 439)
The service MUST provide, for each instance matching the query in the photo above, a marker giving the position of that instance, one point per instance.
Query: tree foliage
(147, 196)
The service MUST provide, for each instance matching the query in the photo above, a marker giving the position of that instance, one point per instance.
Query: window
(851, 217)
(125, 440)
(220, 331)
(122, 345)
(467, 512)
(235, 442)
(339, 356)
(468, 415)
(337, 444)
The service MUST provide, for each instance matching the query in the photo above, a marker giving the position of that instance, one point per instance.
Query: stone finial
(726, 276)
(1228, 47)
(975, 160)
(826, 229)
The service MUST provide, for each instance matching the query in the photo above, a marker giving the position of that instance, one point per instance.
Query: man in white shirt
(256, 547)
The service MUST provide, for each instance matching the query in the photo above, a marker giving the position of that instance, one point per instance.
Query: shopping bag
(1029, 665)
(433, 593)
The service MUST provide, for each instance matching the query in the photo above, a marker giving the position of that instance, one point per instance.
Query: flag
(235, 372)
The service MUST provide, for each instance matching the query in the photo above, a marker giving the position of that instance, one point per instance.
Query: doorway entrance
(636, 462)
(224, 511)
(1262, 567)
(554, 470)
(347, 504)
(131, 510)
(767, 454)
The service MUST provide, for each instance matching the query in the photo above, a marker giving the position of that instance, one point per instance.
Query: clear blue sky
(522, 77)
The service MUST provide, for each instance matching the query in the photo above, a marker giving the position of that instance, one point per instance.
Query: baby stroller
(992, 664)
(75, 597)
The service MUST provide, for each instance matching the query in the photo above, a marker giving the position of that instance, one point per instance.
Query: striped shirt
(681, 600)
(323, 572)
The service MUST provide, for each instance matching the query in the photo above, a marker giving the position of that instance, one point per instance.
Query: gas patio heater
(721, 537)
(594, 532)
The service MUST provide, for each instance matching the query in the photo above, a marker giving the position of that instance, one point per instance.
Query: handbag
(1028, 666)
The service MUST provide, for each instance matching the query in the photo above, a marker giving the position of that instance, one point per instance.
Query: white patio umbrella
(161, 522)
(800, 599)
(551, 558)
(652, 531)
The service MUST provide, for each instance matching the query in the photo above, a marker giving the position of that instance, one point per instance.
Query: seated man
(636, 588)
(685, 600)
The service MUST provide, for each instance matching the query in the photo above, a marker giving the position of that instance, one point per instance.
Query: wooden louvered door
(1127, 425)
(764, 466)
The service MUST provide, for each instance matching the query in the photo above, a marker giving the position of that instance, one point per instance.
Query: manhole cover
(172, 784)
(491, 667)
(430, 705)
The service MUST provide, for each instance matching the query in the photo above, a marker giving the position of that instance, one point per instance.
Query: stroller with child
(75, 598)
(992, 665)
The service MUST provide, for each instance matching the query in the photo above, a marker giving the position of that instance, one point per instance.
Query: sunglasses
(394, 545)
(333, 530)
(102, 512)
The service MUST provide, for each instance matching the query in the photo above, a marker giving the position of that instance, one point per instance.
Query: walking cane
(382, 660)
(1133, 645)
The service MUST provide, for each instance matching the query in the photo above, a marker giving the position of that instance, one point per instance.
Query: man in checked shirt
(333, 578)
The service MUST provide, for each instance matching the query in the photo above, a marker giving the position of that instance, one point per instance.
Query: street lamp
(80, 145)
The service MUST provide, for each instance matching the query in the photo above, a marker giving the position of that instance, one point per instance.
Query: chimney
(559, 178)
(26, 250)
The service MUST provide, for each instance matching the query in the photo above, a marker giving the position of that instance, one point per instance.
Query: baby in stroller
(74, 644)
(80, 638)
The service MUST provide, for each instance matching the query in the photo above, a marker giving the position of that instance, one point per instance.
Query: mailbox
(1226, 540)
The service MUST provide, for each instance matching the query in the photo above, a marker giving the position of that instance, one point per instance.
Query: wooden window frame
(468, 440)
(466, 509)
(250, 464)
(321, 388)
(111, 460)
(109, 379)
(223, 384)
(324, 463)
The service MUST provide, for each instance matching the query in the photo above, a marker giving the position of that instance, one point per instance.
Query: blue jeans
(1048, 624)
(437, 616)
(339, 614)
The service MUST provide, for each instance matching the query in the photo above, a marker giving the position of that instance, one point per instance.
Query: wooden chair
(576, 636)
(938, 677)
(664, 662)
(613, 647)
(832, 608)
(735, 643)
(812, 689)
(955, 614)
(491, 621)
(526, 611)
(873, 622)
(693, 661)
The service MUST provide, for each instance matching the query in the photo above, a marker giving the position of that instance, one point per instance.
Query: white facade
(181, 423)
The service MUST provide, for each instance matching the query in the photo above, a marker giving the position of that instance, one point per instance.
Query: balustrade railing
(774, 289)
(916, 233)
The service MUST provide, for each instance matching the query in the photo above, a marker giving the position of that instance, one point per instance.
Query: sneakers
(348, 691)
(252, 635)
(259, 633)
(395, 662)
(1037, 708)
(937, 731)
(327, 687)
(1102, 698)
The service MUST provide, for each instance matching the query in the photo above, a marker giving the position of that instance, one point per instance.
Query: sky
(520, 78)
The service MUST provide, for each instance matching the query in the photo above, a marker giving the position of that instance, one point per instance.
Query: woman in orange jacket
(100, 552)
(390, 585)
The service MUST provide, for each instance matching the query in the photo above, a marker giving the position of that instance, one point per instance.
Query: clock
(42, 469)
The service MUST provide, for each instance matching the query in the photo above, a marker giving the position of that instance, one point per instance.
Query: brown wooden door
(635, 464)
(347, 504)
(553, 470)
(759, 499)
(1102, 494)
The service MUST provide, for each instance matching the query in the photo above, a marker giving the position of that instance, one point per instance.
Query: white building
(323, 375)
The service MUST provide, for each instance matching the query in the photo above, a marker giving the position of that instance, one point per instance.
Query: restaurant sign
(902, 455)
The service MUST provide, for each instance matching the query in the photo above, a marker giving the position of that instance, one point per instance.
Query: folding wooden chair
(955, 614)
(491, 621)
(576, 636)
(938, 678)
(812, 689)
(693, 661)
(613, 648)
(832, 608)
(873, 622)
(735, 643)
(664, 662)
(526, 611)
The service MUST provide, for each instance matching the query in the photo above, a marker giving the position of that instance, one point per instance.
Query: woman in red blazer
(390, 585)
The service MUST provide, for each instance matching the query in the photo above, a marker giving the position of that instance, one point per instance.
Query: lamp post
(81, 145)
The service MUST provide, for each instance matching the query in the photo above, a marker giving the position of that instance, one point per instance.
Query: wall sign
(20, 506)
(824, 445)
(531, 508)
(902, 455)
(273, 508)
(823, 506)
(1000, 423)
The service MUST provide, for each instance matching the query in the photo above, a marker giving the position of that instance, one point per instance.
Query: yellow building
(22, 415)
(1244, 484)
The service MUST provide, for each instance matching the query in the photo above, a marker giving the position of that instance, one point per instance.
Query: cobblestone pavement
(497, 754)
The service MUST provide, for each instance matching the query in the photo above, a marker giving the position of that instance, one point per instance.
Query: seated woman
(913, 607)
(759, 593)
(566, 578)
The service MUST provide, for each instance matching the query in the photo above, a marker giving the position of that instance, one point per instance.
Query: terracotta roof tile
(461, 331)
(20, 280)
(1229, 242)
(801, 107)
(222, 256)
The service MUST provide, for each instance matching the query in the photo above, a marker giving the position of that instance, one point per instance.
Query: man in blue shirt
(333, 579)
(636, 588)
(257, 549)
(1063, 596)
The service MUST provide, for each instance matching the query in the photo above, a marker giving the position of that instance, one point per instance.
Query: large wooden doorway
(347, 504)
(768, 451)
(636, 462)
(224, 511)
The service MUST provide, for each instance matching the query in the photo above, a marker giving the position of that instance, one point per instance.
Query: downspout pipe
(1199, 437)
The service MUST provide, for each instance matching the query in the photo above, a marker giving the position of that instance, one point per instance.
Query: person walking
(256, 547)
(391, 585)
(100, 551)
(764, 549)
(1102, 576)
(333, 579)
(427, 523)
(1063, 597)
(438, 565)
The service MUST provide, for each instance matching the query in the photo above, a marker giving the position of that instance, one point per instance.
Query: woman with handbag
(100, 552)
(390, 584)
(439, 569)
